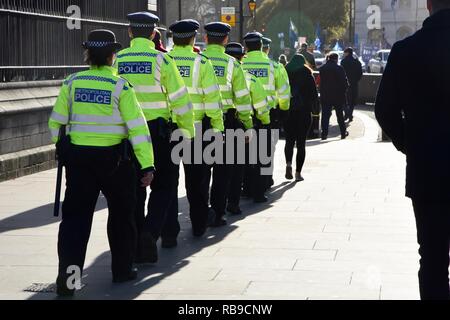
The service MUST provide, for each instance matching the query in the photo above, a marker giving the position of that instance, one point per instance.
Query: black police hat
(253, 37)
(102, 39)
(218, 29)
(185, 28)
(266, 42)
(234, 49)
(143, 19)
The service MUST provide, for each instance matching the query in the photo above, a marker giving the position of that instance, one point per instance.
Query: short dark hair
(254, 46)
(349, 51)
(440, 4)
(182, 41)
(98, 56)
(215, 40)
(333, 56)
(142, 32)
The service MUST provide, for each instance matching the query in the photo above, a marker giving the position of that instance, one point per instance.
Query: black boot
(148, 249)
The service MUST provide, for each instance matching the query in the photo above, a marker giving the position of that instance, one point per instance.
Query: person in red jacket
(158, 42)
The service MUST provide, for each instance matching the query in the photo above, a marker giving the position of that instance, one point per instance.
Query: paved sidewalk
(347, 232)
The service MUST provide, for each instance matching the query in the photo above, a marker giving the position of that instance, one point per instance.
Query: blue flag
(293, 34)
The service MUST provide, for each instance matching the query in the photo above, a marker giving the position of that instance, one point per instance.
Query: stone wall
(25, 145)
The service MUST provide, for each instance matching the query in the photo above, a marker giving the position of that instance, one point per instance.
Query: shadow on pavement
(97, 276)
(38, 217)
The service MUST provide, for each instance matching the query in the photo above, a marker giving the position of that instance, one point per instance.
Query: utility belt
(162, 127)
(65, 150)
(231, 120)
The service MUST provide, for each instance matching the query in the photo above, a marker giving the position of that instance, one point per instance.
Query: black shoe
(61, 288)
(218, 222)
(350, 119)
(169, 243)
(198, 232)
(324, 138)
(128, 277)
(148, 249)
(262, 199)
(289, 175)
(345, 135)
(234, 210)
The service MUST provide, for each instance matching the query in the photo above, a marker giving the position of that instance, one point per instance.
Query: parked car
(319, 57)
(378, 63)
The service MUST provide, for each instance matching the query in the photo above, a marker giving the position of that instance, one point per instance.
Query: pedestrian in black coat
(413, 109)
(354, 72)
(298, 122)
(333, 90)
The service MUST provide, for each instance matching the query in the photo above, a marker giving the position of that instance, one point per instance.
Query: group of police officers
(119, 117)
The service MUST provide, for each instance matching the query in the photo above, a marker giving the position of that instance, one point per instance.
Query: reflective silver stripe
(54, 133)
(148, 89)
(260, 104)
(282, 90)
(269, 87)
(225, 88)
(139, 122)
(230, 70)
(117, 91)
(211, 89)
(178, 94)
(227, 102)
(194, 90)
(59, 117)
(159, 61)
(196, 72)
(242, 93)
(213, 106)
(285, 97)
(114, 119)
(198, 106)
(140, 139)
(154, 105)
(264, 110)
(98, 129)
(244, 107)
(272, 76)
(183, 110)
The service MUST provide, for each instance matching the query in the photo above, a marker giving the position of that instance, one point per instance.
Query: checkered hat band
(216, 34)
(235, 50)
(98, 44)
(142, 25)
(184, 35)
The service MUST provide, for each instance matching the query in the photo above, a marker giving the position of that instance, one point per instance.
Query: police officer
(200, 79)
(276, 85)
(237, 109)
(163, 97)
(277, 115)
(261, 113)
(101, 113)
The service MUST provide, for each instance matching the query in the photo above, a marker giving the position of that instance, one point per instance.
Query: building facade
(399, 19)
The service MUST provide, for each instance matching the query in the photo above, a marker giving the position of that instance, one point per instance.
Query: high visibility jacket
(100, 109)
(200, 79)
(160, 90)
(270, 74)
(232, 83)
(259, 99)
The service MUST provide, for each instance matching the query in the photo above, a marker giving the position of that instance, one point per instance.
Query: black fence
(37, 44)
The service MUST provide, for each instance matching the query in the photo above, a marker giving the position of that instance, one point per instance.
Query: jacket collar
(142, 42)
(215, 47)
(183, 48)
(105, 69)
(440, 19)
(255, 54)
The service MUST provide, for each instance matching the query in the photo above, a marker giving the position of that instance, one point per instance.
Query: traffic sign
(229, 15)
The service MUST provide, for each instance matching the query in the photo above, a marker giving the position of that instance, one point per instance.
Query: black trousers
(89, 171)
(326, 115)
(433, 235)
(255, 182)
(297, 128)
(352, 98)
(162, 186)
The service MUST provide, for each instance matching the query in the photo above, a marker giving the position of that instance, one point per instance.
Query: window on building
(152, 5)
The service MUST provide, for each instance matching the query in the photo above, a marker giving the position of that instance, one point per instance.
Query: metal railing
(36, 43)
